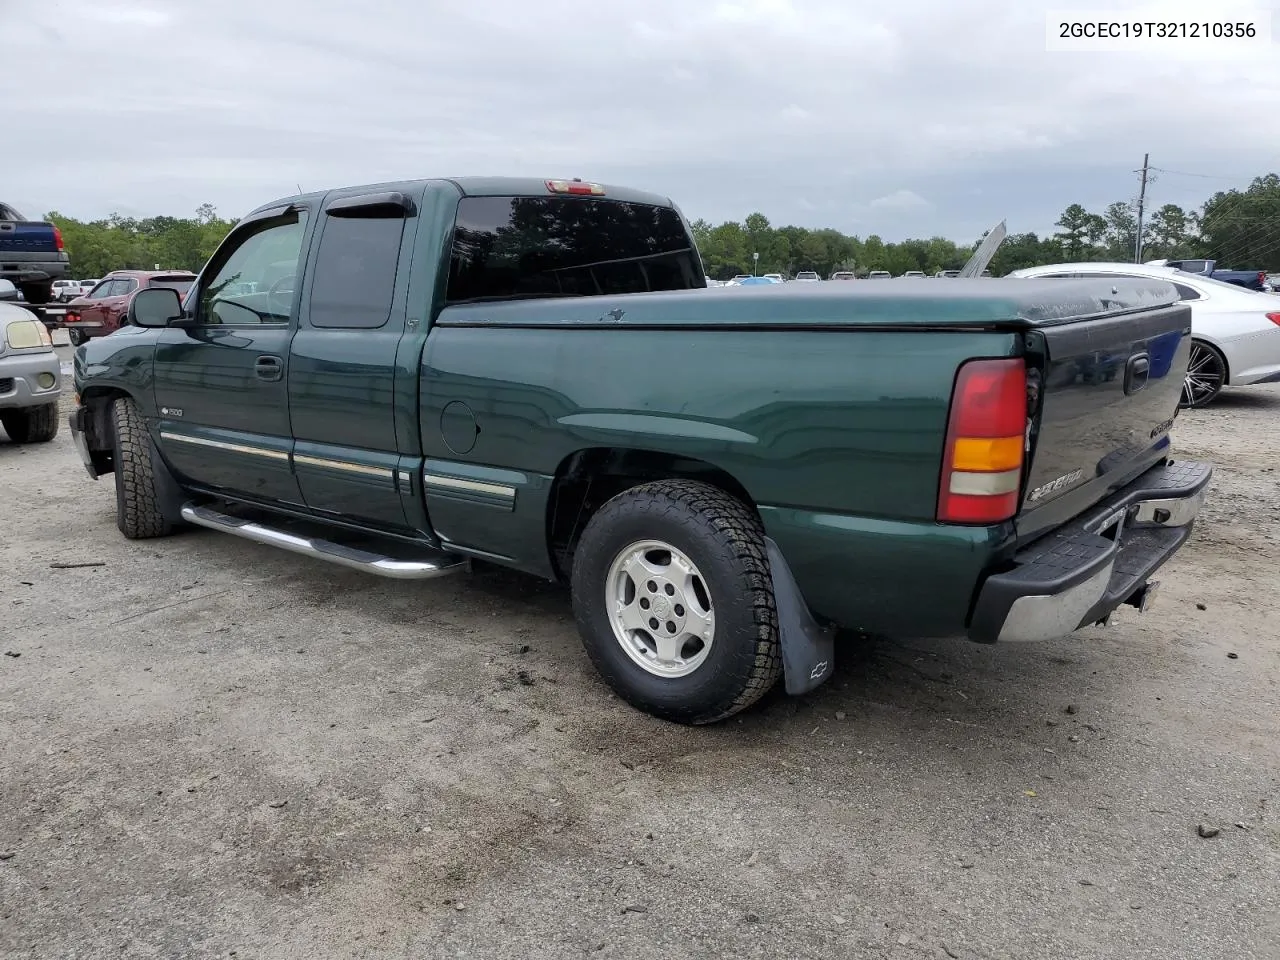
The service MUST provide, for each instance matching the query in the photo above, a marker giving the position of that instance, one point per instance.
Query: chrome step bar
(439, 565)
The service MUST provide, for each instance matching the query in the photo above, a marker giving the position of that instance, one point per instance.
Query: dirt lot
(211, 748)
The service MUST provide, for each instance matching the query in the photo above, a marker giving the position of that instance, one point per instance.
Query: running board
(439, 565)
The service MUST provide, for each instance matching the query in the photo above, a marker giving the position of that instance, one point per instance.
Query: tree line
(124, 243)
(1239, 228)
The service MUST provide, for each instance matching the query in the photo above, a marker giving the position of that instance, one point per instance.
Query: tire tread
(740, 532)
(138, 513)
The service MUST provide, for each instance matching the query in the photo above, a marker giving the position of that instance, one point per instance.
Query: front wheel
(1206, 375)
(138, 513)
(674, 601)
(31, 424)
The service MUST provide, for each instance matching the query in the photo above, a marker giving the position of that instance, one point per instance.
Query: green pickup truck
(407, 377)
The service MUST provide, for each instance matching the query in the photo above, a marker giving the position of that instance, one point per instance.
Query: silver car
(30, 374)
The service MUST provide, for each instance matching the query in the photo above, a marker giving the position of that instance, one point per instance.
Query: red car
(102, 310)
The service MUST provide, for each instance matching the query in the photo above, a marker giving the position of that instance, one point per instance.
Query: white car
(915, 274)
(807, 276)
(775, 277)
(879, 275)
(1235, 332)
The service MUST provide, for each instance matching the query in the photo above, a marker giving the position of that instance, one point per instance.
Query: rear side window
(355, 273)
(511, 248)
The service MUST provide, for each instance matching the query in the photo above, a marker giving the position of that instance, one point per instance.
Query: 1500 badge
(1055, 486)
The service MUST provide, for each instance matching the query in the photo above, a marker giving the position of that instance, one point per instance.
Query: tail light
(1262, 279)
(57, 239)
(72, 317)
(982, 463)
(1274, 318)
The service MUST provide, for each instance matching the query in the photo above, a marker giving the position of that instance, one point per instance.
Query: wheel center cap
(661, 607)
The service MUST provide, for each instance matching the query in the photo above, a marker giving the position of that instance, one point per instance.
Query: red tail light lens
(1274, 318)
(57, 239)
(982, 462)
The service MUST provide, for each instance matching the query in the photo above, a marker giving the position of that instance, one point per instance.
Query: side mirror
(7, 290)
(155, 307)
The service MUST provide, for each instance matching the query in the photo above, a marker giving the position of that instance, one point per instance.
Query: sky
(910, 118)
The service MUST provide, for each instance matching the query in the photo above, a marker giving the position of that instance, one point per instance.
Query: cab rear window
(511, 248)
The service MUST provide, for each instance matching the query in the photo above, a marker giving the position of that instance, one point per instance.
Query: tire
(138, 512)
(702, 680)
(1209, 367)
(37, 293)
(77, 337)
(31, 424)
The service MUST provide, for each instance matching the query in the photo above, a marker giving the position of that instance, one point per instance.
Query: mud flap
(808, 648)
(169, 495)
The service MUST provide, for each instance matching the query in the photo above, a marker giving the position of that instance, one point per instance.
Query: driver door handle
(268, 368)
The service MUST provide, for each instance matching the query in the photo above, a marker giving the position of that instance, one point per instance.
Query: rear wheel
(674, 601)
(31, 424)
(138, 513)
(77, 337)
(1206, 375)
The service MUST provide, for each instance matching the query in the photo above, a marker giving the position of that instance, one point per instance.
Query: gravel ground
(211, 748)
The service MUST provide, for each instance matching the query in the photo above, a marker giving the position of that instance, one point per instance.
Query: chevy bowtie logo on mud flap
(819, 669)
(1055, 486)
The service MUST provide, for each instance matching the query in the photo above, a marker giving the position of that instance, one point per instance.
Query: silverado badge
(1054, 486)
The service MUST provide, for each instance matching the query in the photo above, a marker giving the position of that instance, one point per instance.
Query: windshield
(181, 284)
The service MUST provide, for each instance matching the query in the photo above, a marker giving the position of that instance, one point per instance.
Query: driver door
(221, 385)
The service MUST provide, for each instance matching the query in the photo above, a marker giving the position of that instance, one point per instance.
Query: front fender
(119, 364)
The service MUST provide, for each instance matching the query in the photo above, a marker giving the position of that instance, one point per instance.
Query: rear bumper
(1084, 570)
(28, 267)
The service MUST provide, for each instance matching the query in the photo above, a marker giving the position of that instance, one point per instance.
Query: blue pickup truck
(32, 255)
(1250, 279)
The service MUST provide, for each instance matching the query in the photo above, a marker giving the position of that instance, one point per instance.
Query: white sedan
(1235, 332)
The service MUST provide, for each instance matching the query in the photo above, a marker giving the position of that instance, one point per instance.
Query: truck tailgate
(1108, 387)
(27, 237)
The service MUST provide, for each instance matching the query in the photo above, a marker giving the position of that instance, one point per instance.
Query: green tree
(1075, 235)
(1122, 231)
(1170, 234)
(1241, 228)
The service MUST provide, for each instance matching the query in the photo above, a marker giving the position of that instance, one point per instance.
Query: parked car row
(105, 307)
(64, 290)
(1235, 330)
(811, 276)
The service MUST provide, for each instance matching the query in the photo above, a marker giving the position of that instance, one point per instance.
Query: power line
(1203, 176)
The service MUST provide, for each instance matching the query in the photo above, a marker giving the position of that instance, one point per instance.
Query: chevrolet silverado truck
(405, 378)
(32, 255)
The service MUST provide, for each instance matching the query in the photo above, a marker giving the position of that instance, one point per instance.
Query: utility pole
(1142, 198)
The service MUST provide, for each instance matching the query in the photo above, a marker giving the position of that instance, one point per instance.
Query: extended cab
(405, 377)
(32, 255)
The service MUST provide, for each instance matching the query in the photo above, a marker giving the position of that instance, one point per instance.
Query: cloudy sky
(903, 118)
